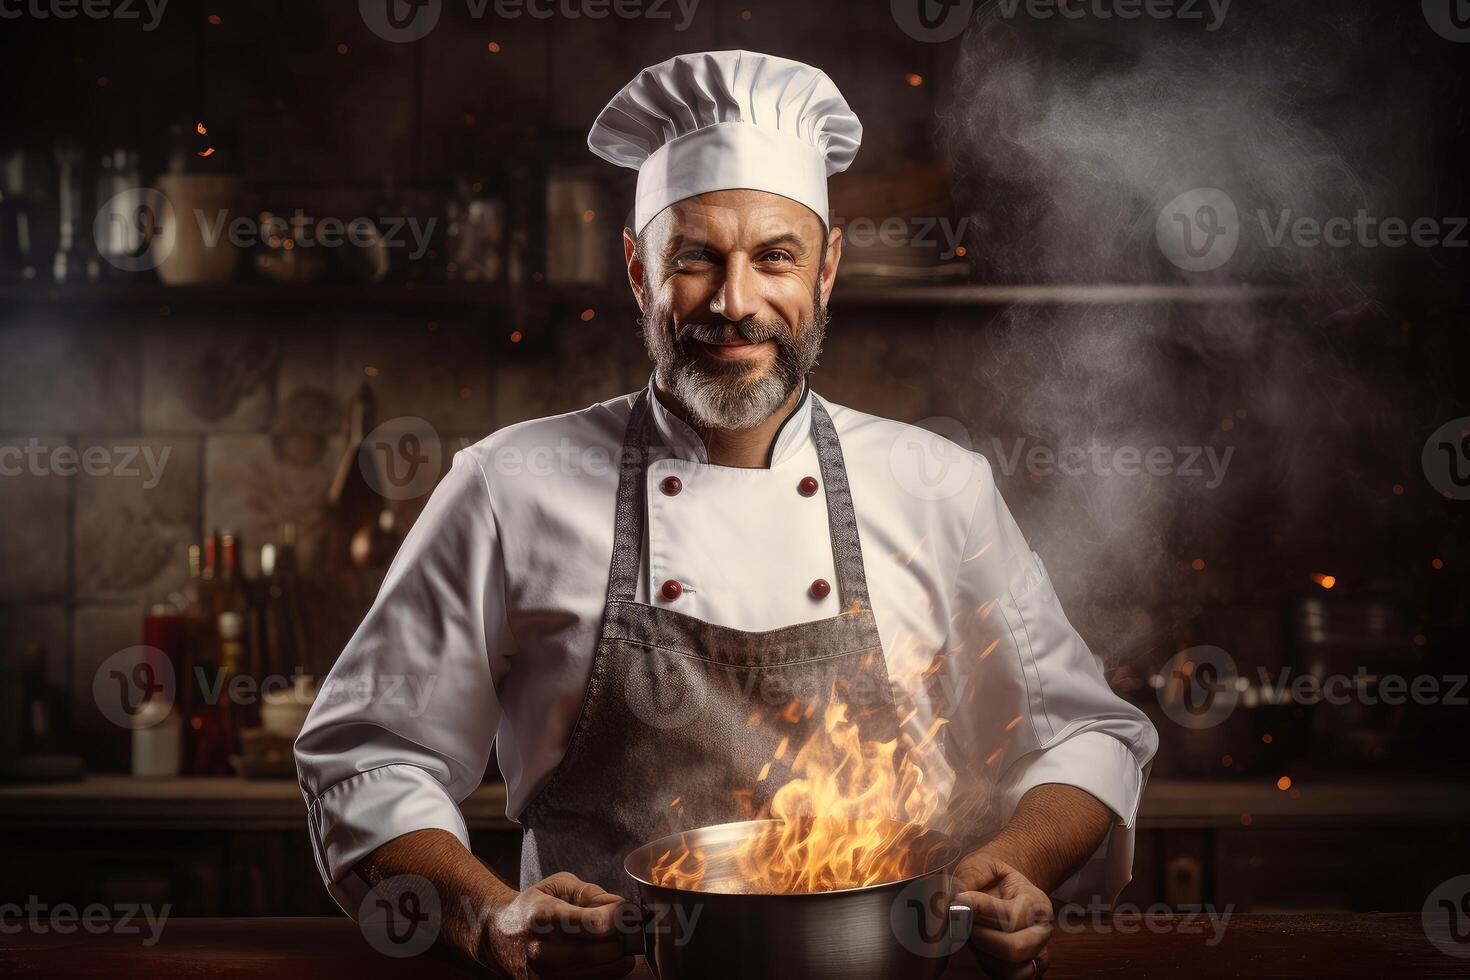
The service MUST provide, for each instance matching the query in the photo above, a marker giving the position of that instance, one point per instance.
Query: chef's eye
(779, 255)
(692, 256)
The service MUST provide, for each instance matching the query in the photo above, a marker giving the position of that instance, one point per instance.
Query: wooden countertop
(229, 803)
(1133, 946)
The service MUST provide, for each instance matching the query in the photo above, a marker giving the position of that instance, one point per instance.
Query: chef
(636, 603)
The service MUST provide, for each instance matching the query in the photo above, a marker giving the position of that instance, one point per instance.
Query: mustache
(752, 330)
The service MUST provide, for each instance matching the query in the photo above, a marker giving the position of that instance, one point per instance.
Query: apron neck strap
(628, 519)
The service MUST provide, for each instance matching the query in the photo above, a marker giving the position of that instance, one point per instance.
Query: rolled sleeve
(355, 817)
(1105, 768)
(403, 724)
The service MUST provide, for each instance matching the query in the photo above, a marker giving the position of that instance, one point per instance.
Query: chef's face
(733, 286)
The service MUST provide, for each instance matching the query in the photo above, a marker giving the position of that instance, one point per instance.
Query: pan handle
(636, 940)
(961, 921)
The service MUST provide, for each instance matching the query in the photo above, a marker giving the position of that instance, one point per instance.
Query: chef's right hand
(561, 926)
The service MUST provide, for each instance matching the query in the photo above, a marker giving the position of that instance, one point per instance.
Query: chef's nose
(736, 298)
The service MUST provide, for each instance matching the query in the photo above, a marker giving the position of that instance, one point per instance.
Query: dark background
(1056, 142)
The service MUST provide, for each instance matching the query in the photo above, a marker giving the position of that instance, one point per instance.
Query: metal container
(901, 929)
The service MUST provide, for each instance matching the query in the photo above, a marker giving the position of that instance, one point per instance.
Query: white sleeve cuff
(1105, 768)
(354, 817)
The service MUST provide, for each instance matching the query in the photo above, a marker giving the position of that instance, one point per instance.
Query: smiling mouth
(731, 350)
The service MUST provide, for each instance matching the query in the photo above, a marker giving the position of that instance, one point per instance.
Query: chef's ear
(635, 266)
(831, 258)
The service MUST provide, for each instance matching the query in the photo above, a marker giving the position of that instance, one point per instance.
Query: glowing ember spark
(675, 801)
(1011, 725)
(206, 153)
(1326, 581)
(985, 610)
(990, 649)
(199, 128)
(995, 757)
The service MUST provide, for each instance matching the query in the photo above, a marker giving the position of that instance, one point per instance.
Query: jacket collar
(671, 431)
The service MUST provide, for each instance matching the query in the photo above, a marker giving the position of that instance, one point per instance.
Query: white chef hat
(720, 120)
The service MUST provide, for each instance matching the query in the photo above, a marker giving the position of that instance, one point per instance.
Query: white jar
(157, 739)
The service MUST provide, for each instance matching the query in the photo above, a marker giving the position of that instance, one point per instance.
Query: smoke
(1068, 139)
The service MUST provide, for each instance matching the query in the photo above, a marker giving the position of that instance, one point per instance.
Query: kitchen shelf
(1097, 294)
(204, 802)
(251, 294)
(425, 295)
(112, 801)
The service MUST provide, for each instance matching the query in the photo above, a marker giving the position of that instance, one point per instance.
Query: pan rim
(944, 841)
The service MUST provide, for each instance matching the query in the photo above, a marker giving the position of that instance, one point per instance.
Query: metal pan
(900, 929)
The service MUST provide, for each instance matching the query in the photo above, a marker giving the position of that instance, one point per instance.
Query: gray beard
(719, 403)
(723, 396)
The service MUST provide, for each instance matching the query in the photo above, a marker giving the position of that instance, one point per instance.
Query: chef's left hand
(1013, 918)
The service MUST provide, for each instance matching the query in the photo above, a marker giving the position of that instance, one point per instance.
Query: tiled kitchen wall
(244, 420)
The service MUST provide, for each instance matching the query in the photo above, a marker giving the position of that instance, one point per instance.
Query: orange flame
(848, 817)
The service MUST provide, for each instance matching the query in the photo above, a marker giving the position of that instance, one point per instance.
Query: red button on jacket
(671, 590)
(671, 485)
(807, 487)
(821, 588)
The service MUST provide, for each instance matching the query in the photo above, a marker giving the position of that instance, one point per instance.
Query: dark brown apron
(681, 716)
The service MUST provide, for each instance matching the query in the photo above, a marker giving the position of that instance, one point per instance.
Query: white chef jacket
(485, 626)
